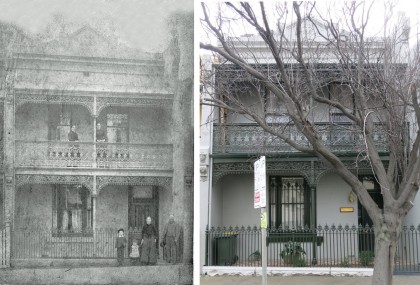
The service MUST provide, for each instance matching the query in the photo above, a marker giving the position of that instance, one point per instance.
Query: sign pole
(260, 194)
(264, 246)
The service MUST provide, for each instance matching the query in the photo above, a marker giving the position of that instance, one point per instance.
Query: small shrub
(292, 254)
(366, 258)
(255, 256)
(345, 262)
(299, 262)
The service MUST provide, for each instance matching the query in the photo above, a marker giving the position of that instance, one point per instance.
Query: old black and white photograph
(96, 142)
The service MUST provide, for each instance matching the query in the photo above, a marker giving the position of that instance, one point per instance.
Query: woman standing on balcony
(148, 242)
(73, 136)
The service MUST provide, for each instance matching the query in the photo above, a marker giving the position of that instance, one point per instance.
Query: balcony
(54, 154)
(252, 139)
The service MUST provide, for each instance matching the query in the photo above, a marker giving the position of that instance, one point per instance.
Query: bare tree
(373, 77)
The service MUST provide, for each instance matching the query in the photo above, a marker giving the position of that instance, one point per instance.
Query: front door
(366, 236)
(143, 203)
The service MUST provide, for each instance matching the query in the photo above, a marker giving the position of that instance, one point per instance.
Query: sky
(139, 23)
(411, 8)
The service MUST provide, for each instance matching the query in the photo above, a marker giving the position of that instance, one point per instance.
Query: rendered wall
(237, 199)
(332, 193)
(33, 207)
(112, 207)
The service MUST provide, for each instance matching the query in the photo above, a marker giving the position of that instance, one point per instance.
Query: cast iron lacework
(24, 179)
(25, 98)
(164, 100)
(102, 181)
(82, 154)
(311, 170)
(251, 138)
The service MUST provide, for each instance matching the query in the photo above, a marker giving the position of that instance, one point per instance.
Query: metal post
(313, 225)
(94, 230)
(94, 142)
(264, 249)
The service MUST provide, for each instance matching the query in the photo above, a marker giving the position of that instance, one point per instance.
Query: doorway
(366, 236)
(143, 202)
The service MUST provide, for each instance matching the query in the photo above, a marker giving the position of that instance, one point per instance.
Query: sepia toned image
(96, 142)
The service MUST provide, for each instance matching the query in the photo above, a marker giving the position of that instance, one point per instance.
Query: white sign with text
(259, 183)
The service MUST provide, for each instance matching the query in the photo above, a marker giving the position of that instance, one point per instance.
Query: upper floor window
(117, 127)
(288, 202)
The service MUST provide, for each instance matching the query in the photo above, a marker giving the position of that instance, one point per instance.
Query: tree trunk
(385, 248)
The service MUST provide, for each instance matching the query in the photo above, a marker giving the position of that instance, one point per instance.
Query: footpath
(159, 274)
(303, 280)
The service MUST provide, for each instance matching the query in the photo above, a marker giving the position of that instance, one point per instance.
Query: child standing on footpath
(135, 254)
(120, 245)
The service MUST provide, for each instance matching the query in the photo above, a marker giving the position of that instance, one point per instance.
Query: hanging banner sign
(260, 183)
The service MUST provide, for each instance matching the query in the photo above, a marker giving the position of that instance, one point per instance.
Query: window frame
(86, 229)
(277, 204)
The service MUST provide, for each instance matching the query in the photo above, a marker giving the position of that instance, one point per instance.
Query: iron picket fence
(46, 243)
(407, 258)
(5, 246)
(324, 246)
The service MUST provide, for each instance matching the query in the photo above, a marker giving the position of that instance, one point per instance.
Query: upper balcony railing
(54, 154)
(251, 138)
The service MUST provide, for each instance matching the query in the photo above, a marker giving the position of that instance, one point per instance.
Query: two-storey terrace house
(91, 143)
(303, 193)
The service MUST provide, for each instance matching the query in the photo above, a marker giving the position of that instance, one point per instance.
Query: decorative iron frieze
(26, 179)
(273, 167)
(102, 181)
(163, 100)
(312, 170)
(25, 98)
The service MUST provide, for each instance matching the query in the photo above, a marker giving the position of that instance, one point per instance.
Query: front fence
(5, 246)
(42, 243)
(335, 246)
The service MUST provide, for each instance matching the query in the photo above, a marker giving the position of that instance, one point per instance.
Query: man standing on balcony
(171, 235)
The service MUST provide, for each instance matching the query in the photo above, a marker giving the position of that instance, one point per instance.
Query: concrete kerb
(286, 271)
(174, 274)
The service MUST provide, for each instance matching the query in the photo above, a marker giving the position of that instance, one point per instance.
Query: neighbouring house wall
(332, 193)
(238, 201)
(33, 207)
(112, 207)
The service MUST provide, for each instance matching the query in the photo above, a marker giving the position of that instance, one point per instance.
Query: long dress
(148, 252)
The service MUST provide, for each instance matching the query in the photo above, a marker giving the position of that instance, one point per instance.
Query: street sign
(259, 183)
(263, 219)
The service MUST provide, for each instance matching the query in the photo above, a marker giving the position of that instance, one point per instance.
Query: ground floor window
(72, 209)
(288, 202)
